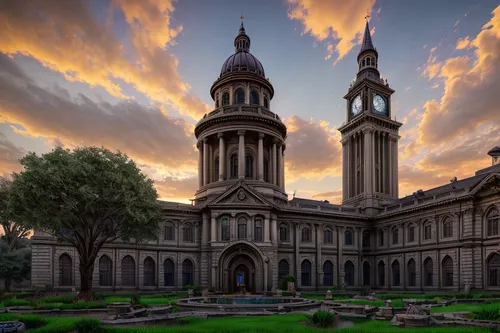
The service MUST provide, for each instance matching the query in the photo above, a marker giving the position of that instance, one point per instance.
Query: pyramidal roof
(367, 40)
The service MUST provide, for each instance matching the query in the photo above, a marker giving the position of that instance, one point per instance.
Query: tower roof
(495, 151)
(367, 43)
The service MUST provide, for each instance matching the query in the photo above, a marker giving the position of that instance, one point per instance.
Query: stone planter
(118, 308)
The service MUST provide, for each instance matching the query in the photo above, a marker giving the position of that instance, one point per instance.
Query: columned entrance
(241, 266)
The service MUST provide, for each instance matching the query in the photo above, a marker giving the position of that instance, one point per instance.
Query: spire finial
(242, 17)
(367, 17)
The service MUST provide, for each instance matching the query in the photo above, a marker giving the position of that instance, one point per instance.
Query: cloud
(313, 149)
(338, 22)
(470, 96)
(67, 38)
(463, 43)
(9, 156)
(432, 67)
(143, 132)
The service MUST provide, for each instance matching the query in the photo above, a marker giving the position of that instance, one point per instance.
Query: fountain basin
(246, 304)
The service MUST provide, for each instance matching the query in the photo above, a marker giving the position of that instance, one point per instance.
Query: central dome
(242, 61)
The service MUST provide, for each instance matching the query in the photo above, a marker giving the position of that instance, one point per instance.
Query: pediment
(488, 186)
(240, 194)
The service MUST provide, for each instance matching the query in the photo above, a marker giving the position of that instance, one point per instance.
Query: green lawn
(396, 303)
(457, 308)
(292, 323)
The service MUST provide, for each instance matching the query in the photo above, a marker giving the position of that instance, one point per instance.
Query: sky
(134, 76)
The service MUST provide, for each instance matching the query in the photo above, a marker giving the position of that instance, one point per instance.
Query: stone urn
(297, 294)
(117, 308)
(190, 293)
(291, 287)
(328, 295)
(205, 294)
(279, 292)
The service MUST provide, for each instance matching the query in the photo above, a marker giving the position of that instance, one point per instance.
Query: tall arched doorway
(241, 266)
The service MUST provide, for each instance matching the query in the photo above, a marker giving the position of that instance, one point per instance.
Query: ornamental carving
(241, 195)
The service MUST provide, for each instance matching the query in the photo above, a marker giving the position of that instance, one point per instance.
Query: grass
(397, 303)
(456, 308)
(292, 323)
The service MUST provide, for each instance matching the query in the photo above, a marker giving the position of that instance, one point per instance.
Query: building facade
(242, 230)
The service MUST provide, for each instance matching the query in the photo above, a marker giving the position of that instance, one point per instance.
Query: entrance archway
(241, 266)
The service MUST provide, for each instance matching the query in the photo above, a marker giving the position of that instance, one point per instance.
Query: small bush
(135, 299)
(17, 302)
(284, 281)
(323, 318)
(488, 312)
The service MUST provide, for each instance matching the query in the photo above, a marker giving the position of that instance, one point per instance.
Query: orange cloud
(432, 67)
(9, 156)
(455, 67)
(145, 133)
(85, 50)
(463, 43)
(339, 22)
(313, 149)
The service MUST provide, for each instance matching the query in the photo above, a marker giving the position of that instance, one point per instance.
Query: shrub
(135, 299)
(284, 281)
(17, 302)
(187, 287)
(211, 289)
(488, 312)
(66, 299)
(323, 318)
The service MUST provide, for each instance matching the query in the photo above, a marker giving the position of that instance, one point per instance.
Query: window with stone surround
(305, 273)
(65, 270)
(187, 233)
(348, 238)
(225, 98)
(395, 235)
(239, 96)
(411, 269)
(187, 272)
(169, 231)
(493, 220)
(149, 272)
(411, 233)
(266, 102)
(381, 237)
(327, 236)
(427, 231)
(169, 272)
(128, 271)
(447, 269)
(242, 228)
(396, 281)
(105, 271)
(447, 228)
(248, 167)
(349, 273)
(428, 272)
(224, 229)
(254, 97)
(328, 273)
(216, 169)
(381, 273)
(283, 269)
(366, 273)
(258, 228)
(266, 169)
(234, 165)
(284, 233)
(306, 235)
(493, 265)
(366, 238)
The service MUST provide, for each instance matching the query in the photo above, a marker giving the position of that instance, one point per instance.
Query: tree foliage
(85, 197)
(15, 264)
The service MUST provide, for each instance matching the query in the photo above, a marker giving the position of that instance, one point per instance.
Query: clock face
(379, 104)
(356, 105)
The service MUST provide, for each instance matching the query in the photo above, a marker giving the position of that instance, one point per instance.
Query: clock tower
(369, 136)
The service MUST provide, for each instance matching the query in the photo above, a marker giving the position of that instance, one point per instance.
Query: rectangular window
(242, 231)
(187, 235)
(447, 229)
(283, 234)
(427, 232)
(169, 233)
(395, 236)
(493, 226)
(258, 237)
(225, 229)
(411, 234)
(306, 235)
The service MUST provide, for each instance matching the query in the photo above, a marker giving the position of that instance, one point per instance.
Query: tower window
(234, 166)
(266, 170)
(254, 97)
(249, 167)
(225, 98)
(266, 102)
(216, 169)
(217, 100)
(225, 229)
(239, 96)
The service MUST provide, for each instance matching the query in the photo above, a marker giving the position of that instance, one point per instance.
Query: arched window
(305, 274)
(216, 169)
(348, 237)
(447, 228)
(187, 272)
(494, 270)
(395, 235)
(493, 221)
(254, 97)
(257, 230)
(396, 281)
(105, 271)
(187, 233)
(266, 102)
(366, 238)
(327, 236)
(242, 228)
(283, 232)
(447, 270)
(169, 272)
(216, 100)
(225, 98)
(169, 231)
(380, 237)
(366, 273)
(428, 273)
(411, 233)
(306, 235)
(283, 269)
(65, 270)
(412, 273)
(224, 224)
(239, 96)
(427, 231)
(248, 166)
(128, 271)
(149, 272)
(349, 273)
(234, 166)
(328, 273)
(381, 273)
(266, 170)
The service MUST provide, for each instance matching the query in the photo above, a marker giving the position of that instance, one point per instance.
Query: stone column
(205, 238)
(274, 178)
(380, 164)
(280, 161)
(348, 167)
(282, 175)
(222, 156)
(267, 228)
(344, 171)
(368, 165)
(241, 154)
(355, 166)
(274, 228)
(205, 162)
(213, 227)
(200, 164)
(389, 150)
(265, 275)
(396, 176)
(384, 166)
(270, 165)
(260, 153)
(319, 260)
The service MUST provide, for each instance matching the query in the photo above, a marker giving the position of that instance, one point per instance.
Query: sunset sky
(135, 75)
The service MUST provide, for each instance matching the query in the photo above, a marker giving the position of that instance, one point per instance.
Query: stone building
(242, 230)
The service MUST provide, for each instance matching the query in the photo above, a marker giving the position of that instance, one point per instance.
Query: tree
(85, 197)
(14, 247)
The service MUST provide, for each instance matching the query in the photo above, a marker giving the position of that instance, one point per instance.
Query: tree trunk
(86, 272)
(7, 283)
